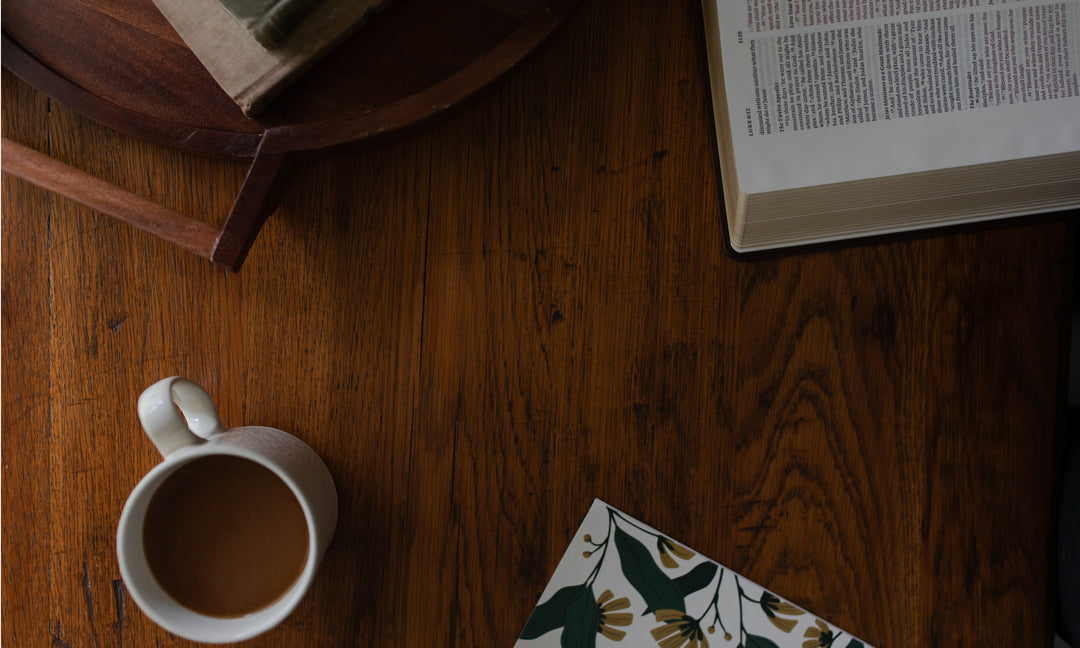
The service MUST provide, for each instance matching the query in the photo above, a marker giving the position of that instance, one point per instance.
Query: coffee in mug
(224, 536)
(220, 541)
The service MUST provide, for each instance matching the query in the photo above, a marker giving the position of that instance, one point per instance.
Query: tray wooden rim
(392, 118)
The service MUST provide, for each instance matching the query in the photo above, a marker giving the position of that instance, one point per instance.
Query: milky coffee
(225, 536)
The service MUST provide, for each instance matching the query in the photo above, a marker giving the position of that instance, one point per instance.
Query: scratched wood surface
(486, 325)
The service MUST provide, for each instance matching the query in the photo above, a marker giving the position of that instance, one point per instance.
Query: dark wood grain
(487, 324)
(37, 168)
(258, 198)
(121, 64)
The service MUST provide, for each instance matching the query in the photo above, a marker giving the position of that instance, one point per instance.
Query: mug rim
(131, 556)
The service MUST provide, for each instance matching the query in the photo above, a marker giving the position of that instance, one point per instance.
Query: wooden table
(486, 325)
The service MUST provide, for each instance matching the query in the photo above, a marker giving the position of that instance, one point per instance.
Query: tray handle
(259, 196)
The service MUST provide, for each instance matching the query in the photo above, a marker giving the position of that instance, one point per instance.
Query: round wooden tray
(120, 63)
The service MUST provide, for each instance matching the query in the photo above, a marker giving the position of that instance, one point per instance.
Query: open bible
(845, 118)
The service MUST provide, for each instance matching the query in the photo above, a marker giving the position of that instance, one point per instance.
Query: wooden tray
(120, 63)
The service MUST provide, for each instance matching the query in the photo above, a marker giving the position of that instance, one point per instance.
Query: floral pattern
(667, 549)
(679, 629)
(657, 593)
(820, 635)
(772, 606)
(609, 617)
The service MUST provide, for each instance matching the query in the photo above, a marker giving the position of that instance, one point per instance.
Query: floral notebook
(624, 584)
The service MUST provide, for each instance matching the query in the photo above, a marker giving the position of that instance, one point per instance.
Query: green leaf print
(659, 591)
(696, 579)
(754, 641)
(551, 614)
(582, 620)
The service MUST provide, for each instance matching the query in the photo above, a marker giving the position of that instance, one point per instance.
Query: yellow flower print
(610, 617)
(820, 636)
(665, 546)
(773, 606)
(679, 630)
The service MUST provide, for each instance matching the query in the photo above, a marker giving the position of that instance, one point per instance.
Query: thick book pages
(249, 72)
(623, 581)
(838, 119)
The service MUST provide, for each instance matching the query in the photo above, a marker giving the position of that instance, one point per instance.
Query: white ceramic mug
(199, 433)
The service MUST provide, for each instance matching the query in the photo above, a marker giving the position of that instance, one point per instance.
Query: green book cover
(269, 21)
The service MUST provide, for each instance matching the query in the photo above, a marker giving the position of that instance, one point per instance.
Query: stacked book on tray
(255, 48)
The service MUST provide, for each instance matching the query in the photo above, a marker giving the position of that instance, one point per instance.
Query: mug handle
(159, 415)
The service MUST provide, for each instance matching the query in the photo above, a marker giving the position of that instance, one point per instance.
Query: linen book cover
(255, 48)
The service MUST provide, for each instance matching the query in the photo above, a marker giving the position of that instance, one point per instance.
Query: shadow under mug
(198, 433)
